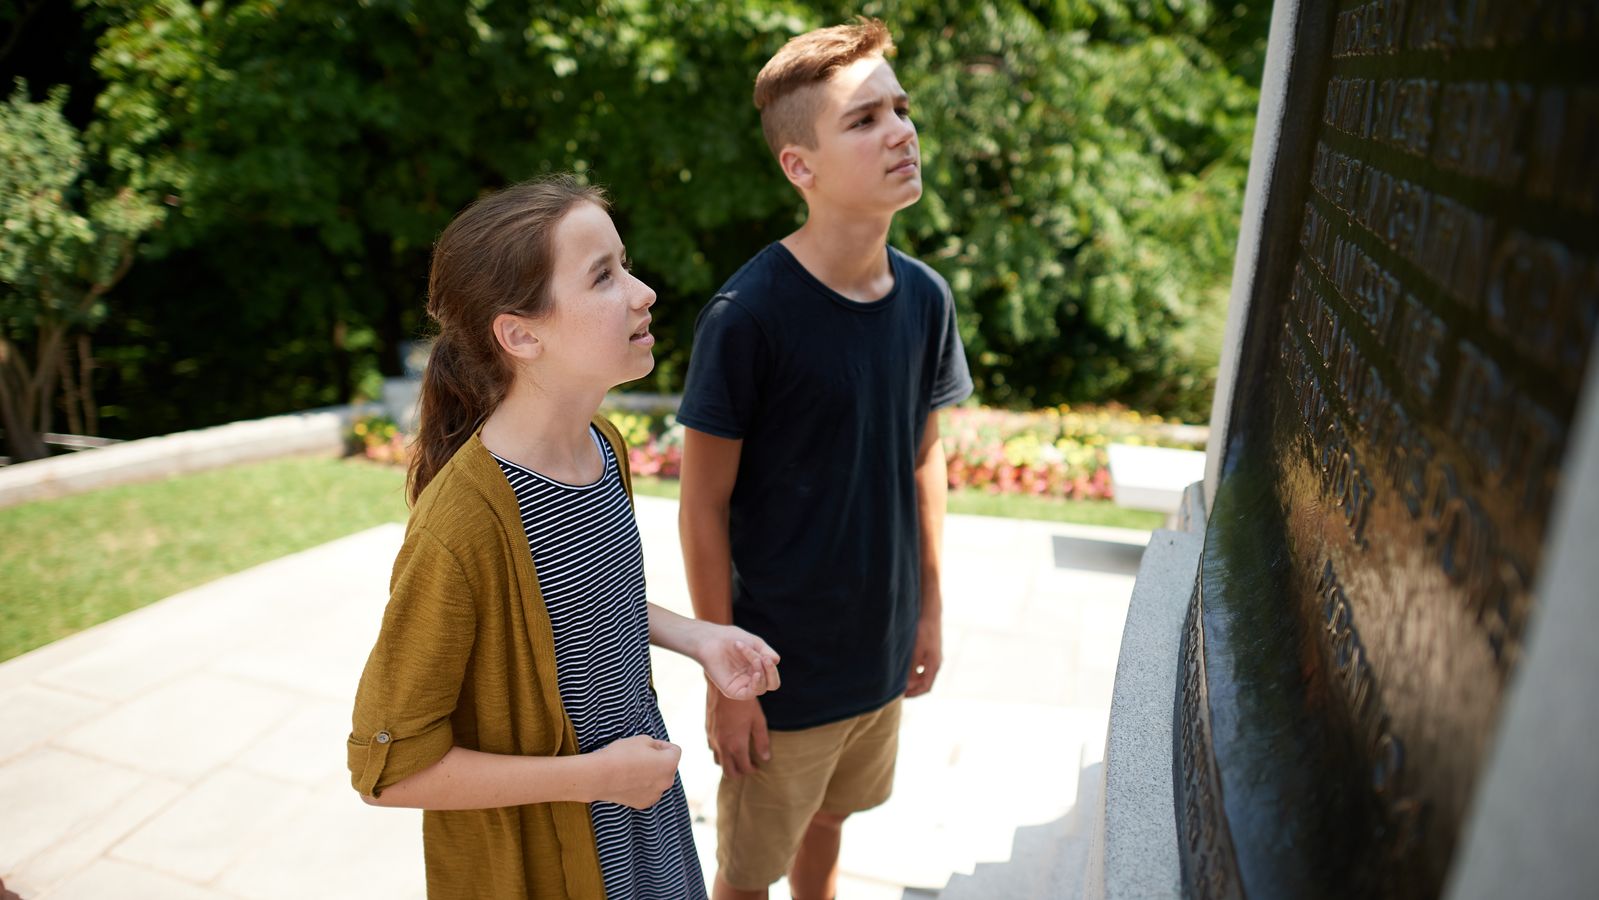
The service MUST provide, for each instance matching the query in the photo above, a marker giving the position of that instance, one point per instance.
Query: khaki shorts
(839, 768)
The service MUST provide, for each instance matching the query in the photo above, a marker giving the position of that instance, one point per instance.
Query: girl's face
(598, 329)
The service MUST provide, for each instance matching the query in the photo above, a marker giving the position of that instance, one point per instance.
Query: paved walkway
(195, 748)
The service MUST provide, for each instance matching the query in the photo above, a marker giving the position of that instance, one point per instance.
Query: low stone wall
(402, 395)
(318, 432)
(1133, 848)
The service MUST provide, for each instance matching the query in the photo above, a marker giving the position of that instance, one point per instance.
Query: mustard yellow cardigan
(466, 658)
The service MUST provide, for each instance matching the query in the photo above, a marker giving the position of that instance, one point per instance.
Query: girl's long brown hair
(495, 257)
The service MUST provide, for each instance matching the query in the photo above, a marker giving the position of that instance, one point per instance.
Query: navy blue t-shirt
(830, 398)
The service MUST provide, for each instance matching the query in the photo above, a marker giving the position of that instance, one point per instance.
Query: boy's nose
(904, 132)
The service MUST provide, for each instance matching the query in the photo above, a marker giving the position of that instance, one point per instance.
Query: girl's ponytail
(451, 406)
(494, 258)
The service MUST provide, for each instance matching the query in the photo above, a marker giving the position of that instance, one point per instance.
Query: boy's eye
(904, 112)
(861, 122)
(605, 273)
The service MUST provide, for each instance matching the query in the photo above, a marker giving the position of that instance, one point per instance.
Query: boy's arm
(736, 729)
(932, 496)
(710, 466)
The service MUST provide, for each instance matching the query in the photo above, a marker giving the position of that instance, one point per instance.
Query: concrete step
(1043, 868)
(1064, 879)
(1090, 791)
(1048, 860)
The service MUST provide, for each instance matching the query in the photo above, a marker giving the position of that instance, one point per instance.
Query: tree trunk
(91, 413)
(70, 400)
(26, 446)
(47, 368)
(23, 442)
(26, 395)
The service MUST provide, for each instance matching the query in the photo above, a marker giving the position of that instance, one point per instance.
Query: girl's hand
(737, 662)
(638, 770)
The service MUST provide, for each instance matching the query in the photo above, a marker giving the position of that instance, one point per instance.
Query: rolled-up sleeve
(412, 680)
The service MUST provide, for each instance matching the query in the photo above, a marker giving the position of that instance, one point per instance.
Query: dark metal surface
(1419, 330)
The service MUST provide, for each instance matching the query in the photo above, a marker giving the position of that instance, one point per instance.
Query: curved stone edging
(317, 432)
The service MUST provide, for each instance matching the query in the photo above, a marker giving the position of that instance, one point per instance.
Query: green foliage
(66, 242)
(1086, 164)
(1084, 167)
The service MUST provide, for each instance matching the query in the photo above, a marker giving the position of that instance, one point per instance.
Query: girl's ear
(796, 167)
(516, 337)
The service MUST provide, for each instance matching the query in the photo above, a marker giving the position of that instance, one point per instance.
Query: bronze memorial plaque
(1417, 336)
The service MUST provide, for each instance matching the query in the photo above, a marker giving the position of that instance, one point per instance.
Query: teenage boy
(813, 482)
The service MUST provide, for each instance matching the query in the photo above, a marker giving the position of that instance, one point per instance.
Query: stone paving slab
(195, 748)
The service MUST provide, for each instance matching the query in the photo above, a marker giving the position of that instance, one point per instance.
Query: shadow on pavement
(1097, 556)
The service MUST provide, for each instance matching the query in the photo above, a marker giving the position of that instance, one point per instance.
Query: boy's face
(866, 157)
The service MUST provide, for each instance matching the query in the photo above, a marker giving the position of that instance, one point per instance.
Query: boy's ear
(796, 167)
(516, 337)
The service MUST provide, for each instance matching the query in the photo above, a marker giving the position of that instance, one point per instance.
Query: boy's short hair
(785, 88)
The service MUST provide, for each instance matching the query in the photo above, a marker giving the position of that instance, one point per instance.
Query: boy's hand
(639, 770)
(738, 663)
(927, 657)
(736, 731)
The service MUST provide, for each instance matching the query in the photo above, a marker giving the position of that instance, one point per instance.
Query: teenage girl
(509, 692)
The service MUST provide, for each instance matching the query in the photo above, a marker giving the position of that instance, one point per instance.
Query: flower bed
(380, 439)
(1056, 452)
(654, 443)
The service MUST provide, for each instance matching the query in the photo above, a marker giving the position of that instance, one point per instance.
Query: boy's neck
(546, 431)
(846, 253)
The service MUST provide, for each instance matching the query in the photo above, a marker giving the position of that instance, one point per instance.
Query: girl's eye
(605, 273)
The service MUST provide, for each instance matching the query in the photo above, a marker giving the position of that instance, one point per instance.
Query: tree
(318, 147)
(1085, 169)
(67, 242)
(1084, 163)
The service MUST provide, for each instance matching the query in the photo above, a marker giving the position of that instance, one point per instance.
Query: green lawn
(981, 503)
(1049, 509)
(71, 563)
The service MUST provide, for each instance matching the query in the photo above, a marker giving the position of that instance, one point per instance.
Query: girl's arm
(740, 664)
(634, 771)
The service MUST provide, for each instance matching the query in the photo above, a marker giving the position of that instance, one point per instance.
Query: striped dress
(590, 567)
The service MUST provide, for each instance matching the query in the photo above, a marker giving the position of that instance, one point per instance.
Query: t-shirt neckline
(605, 466)
(855, 305)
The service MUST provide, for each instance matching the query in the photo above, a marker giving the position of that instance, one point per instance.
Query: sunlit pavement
(195, 748)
